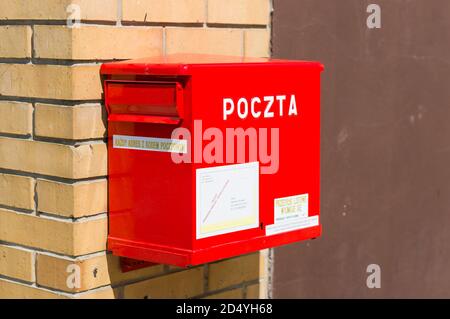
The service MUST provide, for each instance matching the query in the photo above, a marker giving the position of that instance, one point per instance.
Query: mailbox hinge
(128, 264)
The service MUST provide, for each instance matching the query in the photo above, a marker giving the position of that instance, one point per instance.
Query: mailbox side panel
(292, 172)
(149, 196)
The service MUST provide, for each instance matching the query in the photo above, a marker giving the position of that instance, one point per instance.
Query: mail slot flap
(155, 99)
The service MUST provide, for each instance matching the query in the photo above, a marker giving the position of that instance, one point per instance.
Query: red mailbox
(211, 157)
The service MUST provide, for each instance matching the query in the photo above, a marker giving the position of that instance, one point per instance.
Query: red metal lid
(182, 63)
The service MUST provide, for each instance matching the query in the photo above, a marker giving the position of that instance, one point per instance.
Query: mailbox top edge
(183, 64)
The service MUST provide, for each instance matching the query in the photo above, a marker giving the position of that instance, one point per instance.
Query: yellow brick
(263, 263)
(257, 43)
(204, 40)
(230, 294)
(15, 41)
(234, 271)
(57, 9)
(182, 284)
(118, 277)
(16, 118)
(79, 82)
(65, 237)
(97, 42)
(187, 11)
(54, 272)
(72, 200)
(16, 263)
(97, 271)
(101, 293)
(87, 160)
(75, 123)
(239, 11)
(253, 291)
(17, 191)
(13, 290)
(89, 237)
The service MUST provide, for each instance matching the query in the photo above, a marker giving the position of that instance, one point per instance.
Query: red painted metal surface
(152, 200)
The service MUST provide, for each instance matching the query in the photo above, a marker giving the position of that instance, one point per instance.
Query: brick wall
(53, 187)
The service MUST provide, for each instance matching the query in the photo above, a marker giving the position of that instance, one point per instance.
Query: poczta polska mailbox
(211, 157)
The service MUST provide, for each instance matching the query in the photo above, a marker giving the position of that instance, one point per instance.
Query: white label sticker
(150, 144)
(291, 213)
(227, 199)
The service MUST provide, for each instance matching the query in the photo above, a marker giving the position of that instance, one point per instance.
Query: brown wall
(385, 148)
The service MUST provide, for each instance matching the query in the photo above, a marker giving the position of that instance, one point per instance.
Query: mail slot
(210, 156)
(144, 101)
